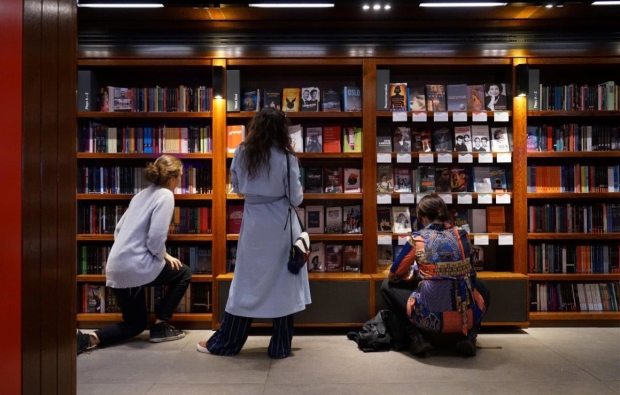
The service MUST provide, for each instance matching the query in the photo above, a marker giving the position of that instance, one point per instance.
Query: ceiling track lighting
(377, 7)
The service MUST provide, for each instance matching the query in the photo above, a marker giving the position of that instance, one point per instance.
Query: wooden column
(519, 157)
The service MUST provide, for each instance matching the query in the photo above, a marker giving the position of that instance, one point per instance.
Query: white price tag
(403, 157)
(481, 240)
(502, 198)
(407, 198)
(459, 116)
(402, 240)
(485, 198)
(504, 157)
(466, 158)
(384, 157)
(479, 116)
(426, 157)
(440, 116)
(418, 117)
(384, 198)
(505, 239)
(500, 116)
(444, 157)
(399, 116)
(484, 157)
(384, 240)
(419, 196)
(464, 198)
(446, 197)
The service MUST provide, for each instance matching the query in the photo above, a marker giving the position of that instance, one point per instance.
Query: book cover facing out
(233, 91)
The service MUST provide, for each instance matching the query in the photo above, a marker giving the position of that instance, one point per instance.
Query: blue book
(352, 98)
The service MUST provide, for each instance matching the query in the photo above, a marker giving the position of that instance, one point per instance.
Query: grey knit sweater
(137, 256)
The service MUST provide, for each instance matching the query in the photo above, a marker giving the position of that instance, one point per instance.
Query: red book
(234, 217)
(331, 139)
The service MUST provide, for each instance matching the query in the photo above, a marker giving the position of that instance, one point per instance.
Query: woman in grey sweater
(138, 259)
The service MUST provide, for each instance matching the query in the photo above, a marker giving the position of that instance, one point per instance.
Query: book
(475, 98)
(425, 139)
(333, 258)
(314, 139)
(401, 220)
(496, 219)
(88, 91)
(459, 179)
(500, 142)
(385, 256)
(385, 182)
(417, 98)
(331, 100)
(480, 137)
(297, 139)
(333, 180)
(533, 95)
(315, 219)
(251, 100)
(231, 257)
(435, 98)
(457, 97)
(95, 298)
(442, 138)
(498, 178)
(483, 256)
(532, 139)
(234, 217)
(233, 90)
(460, 217)
(272, 98)
(310, 99)
(352, 258)
(203, 263)
(235, 136)
(398, 96)
(402, 180)
(416, 139)
(331, 139)
(290, 99)
(495, 97)
(401, 139)
(316, 261)
(384, 139)
(426, 179)
(482, 179)
(352, 219)
(383, 86)
(462, 139)
(352, 98)
(384, 219)
(443, 181)
(352, 180)
(333, 220)
(351, 139)
(313, 179)
(478, 220)
(122, 99)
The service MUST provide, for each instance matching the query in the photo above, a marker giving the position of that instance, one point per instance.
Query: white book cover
(482, 179)
(314, 219)
(480, 138)
(499, 142)
(352, 180)
(316, 261)
(333, 219)
(352, 219)
(462, 139)
(401, 220)
(402, 180)
(297, 140)
(314, 139)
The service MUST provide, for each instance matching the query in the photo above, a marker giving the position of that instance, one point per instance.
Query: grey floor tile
(206, 389)
(113, 388)
(602, 364)
(128, 366)
(614, 385)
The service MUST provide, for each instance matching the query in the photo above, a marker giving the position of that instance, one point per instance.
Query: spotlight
(387, 7)
(549, 6)
(366, 7)
(376, 7)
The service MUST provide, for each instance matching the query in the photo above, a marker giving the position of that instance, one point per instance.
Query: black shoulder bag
(300, 248)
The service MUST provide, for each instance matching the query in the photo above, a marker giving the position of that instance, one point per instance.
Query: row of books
(310, 99)
(95, 137)
(156, 99)
(456, 97)
(574, 178)
(317, 139)
(573, 258)
(427, 179)
(552, 296)
(317, 179)
(573, 137)
(329, 258)
(601, 97)
(474, 138)
(571, 218)
(130, 180)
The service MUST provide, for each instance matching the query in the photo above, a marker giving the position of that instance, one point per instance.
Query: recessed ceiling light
(292, 5)
(462, 4)
(549, 6)
(376, 7)
(120, 5)
(387, 7)
(366, 7)
(606, 3)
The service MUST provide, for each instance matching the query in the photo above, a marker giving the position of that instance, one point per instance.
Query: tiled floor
(534, 361)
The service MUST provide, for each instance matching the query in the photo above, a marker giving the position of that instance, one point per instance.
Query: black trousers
(132, 303)
(397, 294)
(232, 335)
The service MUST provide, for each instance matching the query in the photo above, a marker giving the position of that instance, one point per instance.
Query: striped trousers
(232, 335)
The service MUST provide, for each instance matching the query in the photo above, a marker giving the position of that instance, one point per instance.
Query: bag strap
(290, 207)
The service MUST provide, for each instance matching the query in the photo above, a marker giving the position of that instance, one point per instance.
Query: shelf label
(459, 116)
(485, 198)
(479, 116)
(402, 240)
(481, 240)
(384, 198)
(503, 198)
(426, 157)
(384, 240)
(407, 198)
(464, 198)
(418, 117)
(440, 116)
(485, 157)
(399, 116)
(505, 239)
(504, 157)
(419, 196)
(384, 157)
(500, 116)
(444, 157)
(466, 158)
(446, 197)
(403, 157)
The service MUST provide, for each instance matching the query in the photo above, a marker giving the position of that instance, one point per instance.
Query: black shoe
(419, 346)
(83, 342)
(467, 346)
(163, 332)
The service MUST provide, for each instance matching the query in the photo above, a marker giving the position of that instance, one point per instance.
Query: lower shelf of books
(573, 316)
(100, 278)
(574, 277)
(116, 317)
(335, 276)
(487, 275)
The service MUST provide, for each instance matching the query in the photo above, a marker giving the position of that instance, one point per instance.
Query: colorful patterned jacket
(445, 300)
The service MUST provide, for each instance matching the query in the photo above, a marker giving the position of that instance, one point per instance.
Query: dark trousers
(132, 303)
(232, 335)
(397, 294)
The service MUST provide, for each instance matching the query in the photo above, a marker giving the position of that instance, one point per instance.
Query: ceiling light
(120, 5)
(292, 5)
(387, 7)
(366, 7)
(462, 4)
(606, 3)
(549, 6)
(376, 7)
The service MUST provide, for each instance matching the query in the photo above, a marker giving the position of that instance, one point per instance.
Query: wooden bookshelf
(118, 196)
(302, 115)
(116, 317)
(192, 237)
(144, 115)
(491, 236)
(317, 237)
(572, 195)
(455, 195)
(312, 196)
(117, 156)
(573, 236)
(574, 277)
(431, 114)
(339, 276)
(323, 155)
(575, 154)
(574, 316)
(584, 114)
(100, 278)
(453, 154)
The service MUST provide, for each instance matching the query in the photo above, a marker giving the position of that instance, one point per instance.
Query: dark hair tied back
(162, 170)
(432, 207)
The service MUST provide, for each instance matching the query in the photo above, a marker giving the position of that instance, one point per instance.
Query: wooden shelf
(575, 154)
(116, 317)
(455, 195)
(573, 113)
(339, 276)
(144, 62)
(100, 278)
(573, 236)
(100, 155)
(317, 237)
(192, 237)
(492, 236)
(148, 115)
(483, 274)
(571, 277)
(118, 196)
(430, 114)
(338, 62)
(454, 155)
(322, 155)
(299, 114)
(312, 196)
(572, 195)
(574, 316)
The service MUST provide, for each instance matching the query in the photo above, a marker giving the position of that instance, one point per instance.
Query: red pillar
(11, 15)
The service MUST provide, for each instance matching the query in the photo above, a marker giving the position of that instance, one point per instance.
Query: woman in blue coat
(262, 286)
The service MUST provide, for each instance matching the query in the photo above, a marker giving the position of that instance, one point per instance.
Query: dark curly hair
(268, 128)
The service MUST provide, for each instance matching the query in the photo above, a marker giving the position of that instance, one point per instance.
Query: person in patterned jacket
(432, 286)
